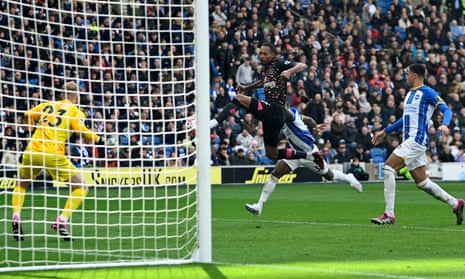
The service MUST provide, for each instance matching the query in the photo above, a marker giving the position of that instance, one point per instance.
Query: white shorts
(412, 153)
(309, 164)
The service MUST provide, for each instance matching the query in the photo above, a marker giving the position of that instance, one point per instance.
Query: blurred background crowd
(356, 52)
(136, 76)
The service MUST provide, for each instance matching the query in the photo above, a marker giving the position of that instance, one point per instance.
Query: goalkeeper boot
(255, 209)
(458, 211)
(18, 233)
(384, 219)
(354, 183)
(61, 227)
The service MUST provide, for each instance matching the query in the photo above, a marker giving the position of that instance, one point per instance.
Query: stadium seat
(123, 140)
(378, 155)
(156, 140)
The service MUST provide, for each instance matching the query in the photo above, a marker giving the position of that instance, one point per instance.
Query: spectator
(222, 99)
(244, 139)
(10, 157)
(361, 154)
(80, 155)
(315, 109)
(338, 129)
(250, 123)
(244, 71)
(223, 156)
(343, 155)
(326, 153)
(239, 157)
(446, 155)
(357, 170)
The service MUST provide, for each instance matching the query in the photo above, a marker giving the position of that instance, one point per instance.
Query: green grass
(305, 231)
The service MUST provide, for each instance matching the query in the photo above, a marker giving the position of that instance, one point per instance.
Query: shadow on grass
(213, 271)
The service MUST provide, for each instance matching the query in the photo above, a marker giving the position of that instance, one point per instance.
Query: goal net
(136, 64)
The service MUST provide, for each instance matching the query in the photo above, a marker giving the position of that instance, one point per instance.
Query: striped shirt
(297, 133)
(419, 107)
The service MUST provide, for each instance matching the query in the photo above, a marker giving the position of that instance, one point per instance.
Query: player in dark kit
(273, 78)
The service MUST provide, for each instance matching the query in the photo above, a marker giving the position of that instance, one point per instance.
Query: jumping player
(300, 138)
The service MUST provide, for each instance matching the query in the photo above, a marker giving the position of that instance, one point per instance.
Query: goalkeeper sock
(19, 193)
(73, 202)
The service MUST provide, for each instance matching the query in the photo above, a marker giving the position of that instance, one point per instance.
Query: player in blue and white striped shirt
(301, 140)
(419, 105)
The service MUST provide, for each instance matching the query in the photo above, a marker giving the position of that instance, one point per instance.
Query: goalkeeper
(297, 130)
(54, 122)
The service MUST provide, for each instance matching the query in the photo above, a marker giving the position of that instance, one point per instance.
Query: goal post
(142, 68)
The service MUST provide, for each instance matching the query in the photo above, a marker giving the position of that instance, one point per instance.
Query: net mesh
(134, 64)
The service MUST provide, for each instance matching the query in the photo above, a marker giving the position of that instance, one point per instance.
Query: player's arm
(244, 88)
(290, 68)
(78, 126)
(380, 135)
(447, 117)
(299, 67)
(32, 116)
(396, 126)
(446, 111)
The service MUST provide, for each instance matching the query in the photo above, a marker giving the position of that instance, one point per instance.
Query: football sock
(288, 153)
(19, 193)
(268, 188)
(436, 191)
(227, 110)
(338, 175)
(389, 189)
(73, 202)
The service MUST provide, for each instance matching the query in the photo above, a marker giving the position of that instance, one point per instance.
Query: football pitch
(318, 230)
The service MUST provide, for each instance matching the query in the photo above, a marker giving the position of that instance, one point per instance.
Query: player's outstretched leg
(354, 183)
(62, 228)
(458, 211)
(255, 209)
(18, 233)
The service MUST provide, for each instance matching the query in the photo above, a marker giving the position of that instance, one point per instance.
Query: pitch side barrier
(139, 177)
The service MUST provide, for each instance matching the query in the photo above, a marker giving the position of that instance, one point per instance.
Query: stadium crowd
(356, 52)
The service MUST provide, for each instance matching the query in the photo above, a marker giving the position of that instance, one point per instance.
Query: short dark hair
(418, 69)
(270, 46)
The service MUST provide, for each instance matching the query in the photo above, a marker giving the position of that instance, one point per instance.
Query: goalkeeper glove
(101, 140)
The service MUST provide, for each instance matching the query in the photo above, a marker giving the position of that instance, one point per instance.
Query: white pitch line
(331, 271)
(333, 224)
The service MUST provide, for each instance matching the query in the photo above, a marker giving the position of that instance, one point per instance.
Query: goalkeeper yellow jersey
(54, 123)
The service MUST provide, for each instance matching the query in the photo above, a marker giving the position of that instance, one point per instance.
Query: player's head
(267, 53)
(416, 74)
(71, 91)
